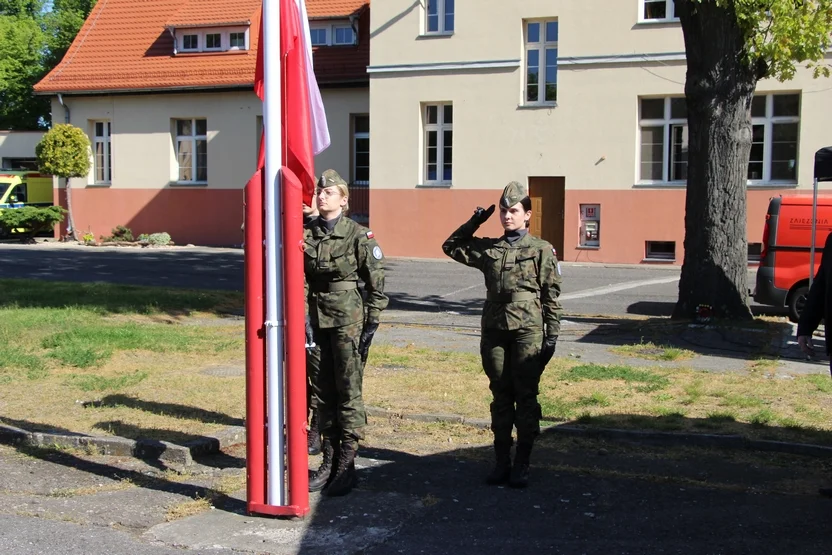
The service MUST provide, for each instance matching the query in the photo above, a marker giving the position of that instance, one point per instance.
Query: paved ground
(413, 285)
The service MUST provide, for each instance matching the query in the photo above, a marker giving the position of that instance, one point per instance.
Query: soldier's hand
(366, 339)
(547, 350)
(481, 215)
(310, 336)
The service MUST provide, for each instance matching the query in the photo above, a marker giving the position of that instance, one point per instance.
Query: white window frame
(106, 141)
(768, 121)
(202, 34)
(670, 10)
(192, 138)
(215, 48)
(439, 128)
(541, 47)
(441, 14)
(667, 123)
(356, 136)
(330, 30)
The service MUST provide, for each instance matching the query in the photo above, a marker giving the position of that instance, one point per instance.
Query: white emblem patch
(377, 252)
(559, 269)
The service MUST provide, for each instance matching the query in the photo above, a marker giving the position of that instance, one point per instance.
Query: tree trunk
(70, 220)
(718, 91)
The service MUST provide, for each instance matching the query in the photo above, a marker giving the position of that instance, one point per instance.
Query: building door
(548, 195)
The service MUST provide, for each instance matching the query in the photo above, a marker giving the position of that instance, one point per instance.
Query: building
(164, 89)
(583, 101)
(17, 149)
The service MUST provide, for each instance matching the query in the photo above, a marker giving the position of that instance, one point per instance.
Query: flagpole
(275, 322)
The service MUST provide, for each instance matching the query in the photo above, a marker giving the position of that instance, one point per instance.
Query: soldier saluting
(520, 323)
(337, 253)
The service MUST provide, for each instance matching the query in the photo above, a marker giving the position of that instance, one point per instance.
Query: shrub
(30, 220)
(159, 239)
(64, 151)
(120, 234)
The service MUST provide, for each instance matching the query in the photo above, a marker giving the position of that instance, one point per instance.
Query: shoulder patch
(370, 234)
(377, 252)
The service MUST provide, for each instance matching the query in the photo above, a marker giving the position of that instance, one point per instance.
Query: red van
(783, 274)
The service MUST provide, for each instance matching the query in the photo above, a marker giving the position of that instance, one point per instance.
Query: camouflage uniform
(523, 284)
(334, 262)
(313, 364)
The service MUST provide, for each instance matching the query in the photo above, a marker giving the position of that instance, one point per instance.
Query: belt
(511, 297)
(333, 286)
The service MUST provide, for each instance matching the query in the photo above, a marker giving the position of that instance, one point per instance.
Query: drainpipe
(66, 108)
(354, 25)
(172, 31)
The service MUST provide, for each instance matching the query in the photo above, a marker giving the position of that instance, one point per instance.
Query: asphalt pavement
(435, 285)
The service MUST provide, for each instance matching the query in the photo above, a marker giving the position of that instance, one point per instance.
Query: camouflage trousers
(511, 362)
(313, 364)
(340, 382)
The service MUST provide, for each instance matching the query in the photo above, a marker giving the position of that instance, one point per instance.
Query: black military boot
(520, 471)
(319, 479)
(313, 440)
(502, 466)
(345, 476)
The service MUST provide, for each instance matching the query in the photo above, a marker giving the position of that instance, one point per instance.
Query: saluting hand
(310, 336)
(481, 214)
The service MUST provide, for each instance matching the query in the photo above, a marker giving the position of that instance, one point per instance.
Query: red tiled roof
(334, 8)
(213, 12)
(124, 45)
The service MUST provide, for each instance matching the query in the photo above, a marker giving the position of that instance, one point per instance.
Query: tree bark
(718, 91)
(70, 220)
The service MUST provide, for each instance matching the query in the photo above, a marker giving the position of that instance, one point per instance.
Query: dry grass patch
(651, 351)
(618, 396)
(130, 365)
(188, 508)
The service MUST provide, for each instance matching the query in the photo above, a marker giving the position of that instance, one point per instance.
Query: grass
(652, 351)
(617, 395)
(64, 345)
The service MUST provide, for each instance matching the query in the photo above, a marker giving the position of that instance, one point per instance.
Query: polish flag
(305, 129)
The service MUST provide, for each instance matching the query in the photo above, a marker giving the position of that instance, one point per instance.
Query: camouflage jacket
(333, 263)
(522, 280)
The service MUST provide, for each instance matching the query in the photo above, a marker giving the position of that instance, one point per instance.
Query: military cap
(330, 178)
(512, 194)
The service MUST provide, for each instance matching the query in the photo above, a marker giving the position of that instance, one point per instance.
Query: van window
(3, 188)
(20, 192)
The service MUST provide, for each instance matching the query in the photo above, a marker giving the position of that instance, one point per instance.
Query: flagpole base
(275, 510)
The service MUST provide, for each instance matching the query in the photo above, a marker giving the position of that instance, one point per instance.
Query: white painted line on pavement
(460, 290)
(598, 291)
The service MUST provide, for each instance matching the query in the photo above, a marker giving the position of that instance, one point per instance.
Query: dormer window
(190, 42)
(332, 34)
(212, 39)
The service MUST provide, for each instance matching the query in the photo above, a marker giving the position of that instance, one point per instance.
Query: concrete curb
(182, 455)
(634, 436)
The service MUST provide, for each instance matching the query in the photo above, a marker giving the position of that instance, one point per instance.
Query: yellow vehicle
(20, 188)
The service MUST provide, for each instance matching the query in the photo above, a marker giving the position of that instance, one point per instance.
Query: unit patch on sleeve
(377, 252)
(370, 234)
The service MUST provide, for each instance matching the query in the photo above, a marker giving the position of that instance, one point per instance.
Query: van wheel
(797, 300)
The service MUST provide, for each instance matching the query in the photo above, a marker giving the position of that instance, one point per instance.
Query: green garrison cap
(330, 178)
(512, 194)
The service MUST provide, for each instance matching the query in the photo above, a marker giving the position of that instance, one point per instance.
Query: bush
(30, 220)
(64, 151)
(119, 234)
(158, 239)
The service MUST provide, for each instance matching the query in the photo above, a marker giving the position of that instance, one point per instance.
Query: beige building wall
(19, 144)
(590, 137)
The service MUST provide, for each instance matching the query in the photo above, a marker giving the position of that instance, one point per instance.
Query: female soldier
(337, 253)
(522, 279)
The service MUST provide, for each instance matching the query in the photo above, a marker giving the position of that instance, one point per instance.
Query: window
(319, 37)
(440, 16)
(541, 62)
(344, 35)
(775, 126)
(439, 119)
(19, 164)
(213, 41)
(237, 40)
(657, 10)
(192, 150)
(361, 150)
(102, 159)
(190, 42)
(664, 121)
(755, 251)
(660, 250)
